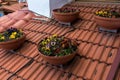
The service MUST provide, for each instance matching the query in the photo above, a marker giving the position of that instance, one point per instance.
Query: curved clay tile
(8, 24)
(11, 15)
(26, 11)
(2, 29)
(19, 16)
(19, 23)
(3, 18)
(28, 16)
(15, 19)
(4, 21)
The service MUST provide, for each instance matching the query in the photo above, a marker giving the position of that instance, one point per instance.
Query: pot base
(67, 23)
(108, 30)
(107, 23)
(13, 44)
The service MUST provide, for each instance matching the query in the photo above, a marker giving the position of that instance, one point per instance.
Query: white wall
(45, 7)
(39, 6)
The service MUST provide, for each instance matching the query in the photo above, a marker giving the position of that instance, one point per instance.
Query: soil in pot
(12, 39)
(57, 50)
(65, 15)
(108, 19)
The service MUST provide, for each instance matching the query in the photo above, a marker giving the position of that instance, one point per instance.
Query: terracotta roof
(118, 75)
(97, 51)
(14, 7)
(16, 19)
(1, 1)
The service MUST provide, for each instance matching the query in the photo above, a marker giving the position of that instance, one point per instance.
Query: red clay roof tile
(118, 75)
(112, 56)
(13, 7)
(96, 51)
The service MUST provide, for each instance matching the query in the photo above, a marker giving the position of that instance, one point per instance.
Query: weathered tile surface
(96, 53)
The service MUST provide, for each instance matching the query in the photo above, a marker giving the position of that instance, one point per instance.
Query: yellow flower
(100, 12)
(43, 48)
(105, 12)
(55, 35)
(48, 40)
(20, 30)
(47, 49)
(14, 33)
(51, 37)
(44, 42)
(97, 12)
(12, 37)
(2, 38)
(63, 45)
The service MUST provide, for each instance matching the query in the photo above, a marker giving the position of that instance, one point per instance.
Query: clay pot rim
(24, 35)
(108, 19)
(70, 13)
(59, 57)
(55, 57)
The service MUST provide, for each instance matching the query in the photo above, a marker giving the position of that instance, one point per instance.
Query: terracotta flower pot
(13, 44)
(107, 23)
(65, 17)
(57, 50)
(58, 60)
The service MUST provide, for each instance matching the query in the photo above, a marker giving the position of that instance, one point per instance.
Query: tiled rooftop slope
(14, 7)
(96, 54)
(16, 19)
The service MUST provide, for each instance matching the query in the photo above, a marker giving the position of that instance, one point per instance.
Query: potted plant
(57, 50)
(11, 39)
(65, 14)
(109, 19)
